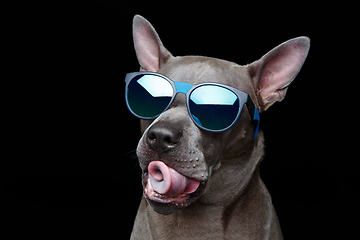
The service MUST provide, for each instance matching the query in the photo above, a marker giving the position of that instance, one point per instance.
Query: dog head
(178, 158)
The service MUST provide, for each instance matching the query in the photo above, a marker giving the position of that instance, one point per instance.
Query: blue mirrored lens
(149, 95)
(213, 107)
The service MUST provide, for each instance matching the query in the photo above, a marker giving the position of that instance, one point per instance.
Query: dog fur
(232, 201)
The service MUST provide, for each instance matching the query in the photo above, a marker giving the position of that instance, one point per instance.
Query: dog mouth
(164, 187)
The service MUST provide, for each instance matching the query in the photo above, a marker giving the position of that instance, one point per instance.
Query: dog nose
(163, 138)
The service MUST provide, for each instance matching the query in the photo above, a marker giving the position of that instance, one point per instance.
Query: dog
(199, 183)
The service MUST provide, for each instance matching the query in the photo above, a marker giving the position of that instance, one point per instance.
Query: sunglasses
(213, 107)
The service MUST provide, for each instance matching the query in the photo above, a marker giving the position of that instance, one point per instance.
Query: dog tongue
(169, 182)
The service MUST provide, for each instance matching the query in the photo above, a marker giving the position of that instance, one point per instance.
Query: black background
(70, 166)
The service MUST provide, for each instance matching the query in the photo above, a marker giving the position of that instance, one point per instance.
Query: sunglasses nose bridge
(182, 87)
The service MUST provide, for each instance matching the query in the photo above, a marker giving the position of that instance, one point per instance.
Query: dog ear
(150, 51)
(273, 73)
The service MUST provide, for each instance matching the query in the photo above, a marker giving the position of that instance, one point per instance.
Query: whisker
(134, 159)
(136, 166)
(132, 151)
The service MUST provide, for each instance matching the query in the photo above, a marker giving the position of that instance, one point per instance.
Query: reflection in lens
(149, 95)
(213, 107)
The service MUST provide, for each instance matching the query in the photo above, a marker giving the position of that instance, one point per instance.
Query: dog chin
(167, 205)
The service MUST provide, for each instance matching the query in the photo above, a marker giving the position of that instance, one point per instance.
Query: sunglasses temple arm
(254, 114)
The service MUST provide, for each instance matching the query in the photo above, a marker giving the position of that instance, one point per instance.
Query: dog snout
(163, 138)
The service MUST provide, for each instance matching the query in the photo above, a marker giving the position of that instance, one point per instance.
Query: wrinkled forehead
(196, 69)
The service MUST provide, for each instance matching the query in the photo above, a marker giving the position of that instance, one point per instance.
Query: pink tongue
(169, 182)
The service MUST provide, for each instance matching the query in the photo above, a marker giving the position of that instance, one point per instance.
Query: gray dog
(201, 149)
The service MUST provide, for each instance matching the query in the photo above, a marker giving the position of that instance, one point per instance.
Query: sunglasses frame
(187, 89)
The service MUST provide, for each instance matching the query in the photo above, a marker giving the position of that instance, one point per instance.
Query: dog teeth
(159, 195)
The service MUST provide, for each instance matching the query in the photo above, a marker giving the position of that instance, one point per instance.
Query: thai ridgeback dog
(201, 180)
